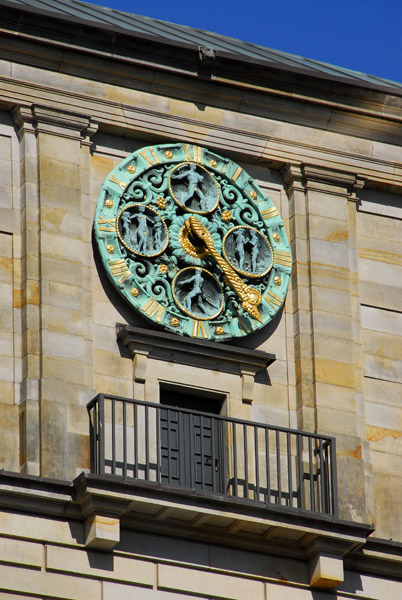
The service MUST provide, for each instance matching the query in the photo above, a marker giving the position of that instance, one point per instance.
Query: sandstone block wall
(337, 341)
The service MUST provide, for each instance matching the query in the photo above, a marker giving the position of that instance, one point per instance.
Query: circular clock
(192, 243)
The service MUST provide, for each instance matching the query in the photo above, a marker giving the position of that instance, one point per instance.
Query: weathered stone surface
(126, 569)
(9, 432)
(26, 581)
(202, 582)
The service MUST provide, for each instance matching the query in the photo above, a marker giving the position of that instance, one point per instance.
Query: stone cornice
(199, 353)
(144, 49)
(127, 119)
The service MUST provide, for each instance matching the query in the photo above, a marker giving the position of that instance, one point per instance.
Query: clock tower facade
(200, 267)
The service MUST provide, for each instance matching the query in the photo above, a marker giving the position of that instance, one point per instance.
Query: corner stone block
(326, 571)
(102, 533)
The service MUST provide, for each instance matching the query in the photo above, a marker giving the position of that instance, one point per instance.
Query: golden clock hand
(249, 296)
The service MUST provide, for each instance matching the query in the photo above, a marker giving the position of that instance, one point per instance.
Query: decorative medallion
(197, 246)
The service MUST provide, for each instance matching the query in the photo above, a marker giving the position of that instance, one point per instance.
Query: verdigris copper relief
(192, 243)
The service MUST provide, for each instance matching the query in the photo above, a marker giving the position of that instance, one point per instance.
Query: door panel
(190, 449)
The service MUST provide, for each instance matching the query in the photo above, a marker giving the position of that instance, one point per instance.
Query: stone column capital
(36, 118)
(316, 177)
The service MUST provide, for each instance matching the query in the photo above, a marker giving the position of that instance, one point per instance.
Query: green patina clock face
(192, 243)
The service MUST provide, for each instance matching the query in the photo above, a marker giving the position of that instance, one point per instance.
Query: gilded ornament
(219, 330)
(110, 248)
(135, 292)
(174, 321)
(277, 280)
(168, 154)
(213, 163)
(249, 296)
(276, 237)
(161, 202)
(163, 268)
(253, 194)
(131, 169)
(226, 215)
(109, 203)
(196, 251)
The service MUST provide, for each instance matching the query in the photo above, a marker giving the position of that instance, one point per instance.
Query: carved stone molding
(102, 502)
(145, 343)
(45, 119)
(308, 176)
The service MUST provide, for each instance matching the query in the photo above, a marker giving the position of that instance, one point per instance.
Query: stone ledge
(185, 513)
(377, 557)
(199, 353)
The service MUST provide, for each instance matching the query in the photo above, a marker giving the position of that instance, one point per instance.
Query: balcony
(174, 449)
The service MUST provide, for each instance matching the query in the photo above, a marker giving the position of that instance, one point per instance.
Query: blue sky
(363, 35)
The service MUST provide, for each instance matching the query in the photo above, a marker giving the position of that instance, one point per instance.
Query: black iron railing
(219, 455)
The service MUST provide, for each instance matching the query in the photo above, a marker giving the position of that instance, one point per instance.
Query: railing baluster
(135, 441)
(256, 465)
(311, 474)
(301, 502)
(213, 453)
(222, 456)
(327, 479)
(234, 450)
(124, 439)
(168, 446)
(322, 476)
(146, 444)
(268, 466)
(113, 437)
(93, 437)
(180, 449)
(289, 451)
(278, 467)
(200, 456)
(158, 445)
(192, 476)
(245, 452)
(101, 434)
(334, 478)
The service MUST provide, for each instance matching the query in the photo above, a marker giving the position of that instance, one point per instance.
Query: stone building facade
(81, 89)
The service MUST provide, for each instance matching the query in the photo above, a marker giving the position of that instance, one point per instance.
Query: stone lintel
(143, 344)
(46, 119)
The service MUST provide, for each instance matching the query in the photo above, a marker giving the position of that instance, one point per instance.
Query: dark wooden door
(191, 454)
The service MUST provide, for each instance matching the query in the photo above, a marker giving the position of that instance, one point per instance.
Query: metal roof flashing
(210, 46)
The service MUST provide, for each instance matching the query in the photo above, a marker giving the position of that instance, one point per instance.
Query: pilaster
(56, 259)
(327, 319)
(29, 301)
